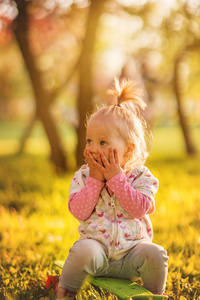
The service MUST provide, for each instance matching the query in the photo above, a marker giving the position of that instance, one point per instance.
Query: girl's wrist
(99, 178)
(113, 175)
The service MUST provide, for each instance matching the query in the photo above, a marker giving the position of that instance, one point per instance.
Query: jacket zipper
(114, 231)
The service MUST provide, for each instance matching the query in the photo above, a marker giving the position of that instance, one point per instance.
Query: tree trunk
(191, 150)
(42, 96)
(27, 133)
(54, 94)
(85, 74)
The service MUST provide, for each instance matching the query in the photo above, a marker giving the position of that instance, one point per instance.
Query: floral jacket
(110, 223)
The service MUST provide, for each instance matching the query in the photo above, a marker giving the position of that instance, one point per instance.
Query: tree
(178, 34)
(186, 42)
(190, 147)
(42, 97)
(83, 66)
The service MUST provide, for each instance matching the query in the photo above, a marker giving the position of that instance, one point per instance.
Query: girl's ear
(130, 149)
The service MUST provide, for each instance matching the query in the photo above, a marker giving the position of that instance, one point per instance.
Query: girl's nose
(93, 149)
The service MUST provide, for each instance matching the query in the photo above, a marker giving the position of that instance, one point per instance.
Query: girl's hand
(95, 172)
(110, 167)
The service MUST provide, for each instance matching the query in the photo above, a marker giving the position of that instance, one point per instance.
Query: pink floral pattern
(111, 221)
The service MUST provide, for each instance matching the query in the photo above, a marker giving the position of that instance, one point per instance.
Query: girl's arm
(132, 201)
(82, 204)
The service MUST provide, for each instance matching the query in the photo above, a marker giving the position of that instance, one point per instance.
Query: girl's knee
(89, 255)
(156, 254)
(153, 254)
(87, 251)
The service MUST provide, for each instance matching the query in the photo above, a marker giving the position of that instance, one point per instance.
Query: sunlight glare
(132, 2)
(9, 11)
(169, 3)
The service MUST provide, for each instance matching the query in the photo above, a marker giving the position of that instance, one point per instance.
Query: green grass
(36, 227)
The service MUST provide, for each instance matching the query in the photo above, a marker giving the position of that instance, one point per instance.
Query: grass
(36, 227)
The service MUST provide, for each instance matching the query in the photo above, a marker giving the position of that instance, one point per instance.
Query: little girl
(112, 197)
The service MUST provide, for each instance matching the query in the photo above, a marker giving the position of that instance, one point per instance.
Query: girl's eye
(89, 141)
(102, 143)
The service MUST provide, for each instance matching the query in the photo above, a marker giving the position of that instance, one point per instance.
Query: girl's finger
(99, 163)
(111, 156)
(116, 156)
(104, 159)
(85, 152)
(90, 158)
(99, 159)
(95, 163)
(100, 167)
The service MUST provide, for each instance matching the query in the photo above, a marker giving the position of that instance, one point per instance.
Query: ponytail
(126, 91)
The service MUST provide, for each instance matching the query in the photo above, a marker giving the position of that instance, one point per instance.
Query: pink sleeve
(133, 202)
(82, 204)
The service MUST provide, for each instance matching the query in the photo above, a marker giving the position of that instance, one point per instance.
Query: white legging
(145, 260)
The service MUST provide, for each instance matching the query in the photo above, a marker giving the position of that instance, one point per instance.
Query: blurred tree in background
(58, 58)
(42, 96)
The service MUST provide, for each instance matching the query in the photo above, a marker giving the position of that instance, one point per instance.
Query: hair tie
(118, 105)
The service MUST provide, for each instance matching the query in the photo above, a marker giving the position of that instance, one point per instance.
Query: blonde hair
(125, 115)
